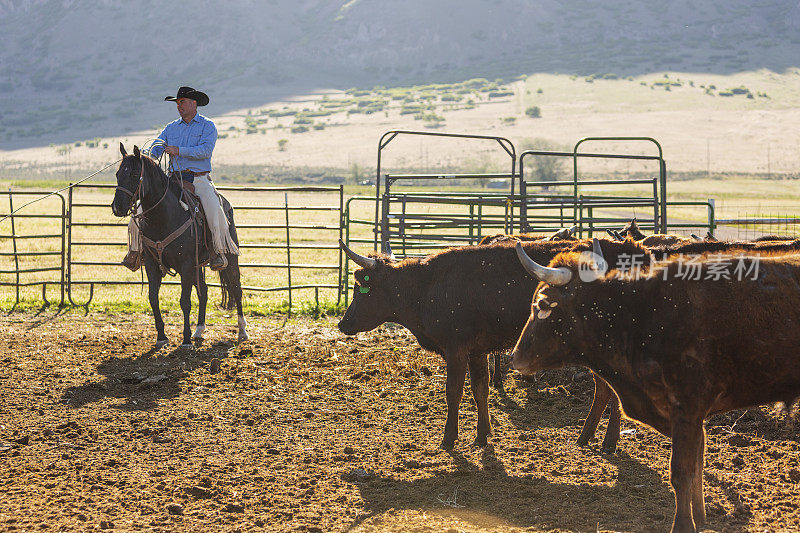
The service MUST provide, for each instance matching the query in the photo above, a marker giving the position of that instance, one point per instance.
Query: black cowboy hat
(187, 92)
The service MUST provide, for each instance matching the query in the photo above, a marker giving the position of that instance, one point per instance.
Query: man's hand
(171, 150)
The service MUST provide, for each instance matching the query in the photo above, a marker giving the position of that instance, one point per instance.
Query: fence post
(288, 251)
(341, 223)
(69, 245)
(63, 247)
(14, 241)
(711, 215)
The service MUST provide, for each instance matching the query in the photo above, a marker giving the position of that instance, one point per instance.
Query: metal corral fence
(37, 249)
(409, 224)
(281, 230)
(289, 234)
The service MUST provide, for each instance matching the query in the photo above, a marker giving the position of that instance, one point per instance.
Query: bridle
(135, 195)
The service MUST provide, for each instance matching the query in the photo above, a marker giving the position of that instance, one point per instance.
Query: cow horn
(360, 260)
(600, 261)
(553, 276)
(388, 251)
(612, 234)
(563, 233)
(695, 237)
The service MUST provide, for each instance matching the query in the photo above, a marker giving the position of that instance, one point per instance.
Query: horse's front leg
(202, 298)
(153, 286)
(186, 306)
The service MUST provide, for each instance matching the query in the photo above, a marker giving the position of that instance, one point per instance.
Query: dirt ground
(304, 429)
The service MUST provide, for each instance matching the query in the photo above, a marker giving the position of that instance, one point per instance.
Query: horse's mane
(152, 166)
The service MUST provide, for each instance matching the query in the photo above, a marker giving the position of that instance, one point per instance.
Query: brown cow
(614, 251)
(461, 303)
(674, 366)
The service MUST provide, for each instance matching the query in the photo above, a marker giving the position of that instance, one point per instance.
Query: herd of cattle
(674, 329)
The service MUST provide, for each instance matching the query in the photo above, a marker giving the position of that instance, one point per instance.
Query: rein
(157, 247)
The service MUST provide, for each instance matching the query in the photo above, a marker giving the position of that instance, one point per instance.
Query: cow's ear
(136, 152)
(122, 149)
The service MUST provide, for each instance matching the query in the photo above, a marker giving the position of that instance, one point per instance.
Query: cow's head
(374, 293)
(548, 339)
(632, 230)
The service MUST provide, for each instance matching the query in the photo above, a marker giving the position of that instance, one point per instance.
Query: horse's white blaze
(242, 329)
(198, 332)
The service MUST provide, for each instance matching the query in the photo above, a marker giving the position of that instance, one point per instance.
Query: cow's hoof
(243, 337)
(582, 442)
(160, 344)
(609, 449)
(480, 443)
(186, 346)
(448, 445)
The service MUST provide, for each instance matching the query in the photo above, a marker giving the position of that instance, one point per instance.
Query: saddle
(198, 214)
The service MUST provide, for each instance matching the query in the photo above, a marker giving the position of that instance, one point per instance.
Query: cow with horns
(690, 348)
(461, 303)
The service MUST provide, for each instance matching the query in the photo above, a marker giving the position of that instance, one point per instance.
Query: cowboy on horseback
(189, 141)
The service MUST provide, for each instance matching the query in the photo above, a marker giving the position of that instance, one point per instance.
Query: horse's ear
(122, 149)
(136, 151)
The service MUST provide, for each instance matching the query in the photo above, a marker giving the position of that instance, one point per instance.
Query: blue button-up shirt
(195, 141)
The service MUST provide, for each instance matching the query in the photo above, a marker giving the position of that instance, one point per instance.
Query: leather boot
(133, 260)
(218, 262)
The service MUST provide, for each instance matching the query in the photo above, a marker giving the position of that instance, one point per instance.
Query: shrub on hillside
(543, 167)
(534, 111)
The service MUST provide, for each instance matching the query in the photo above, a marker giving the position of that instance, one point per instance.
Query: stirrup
(132, 261)
(218, 267)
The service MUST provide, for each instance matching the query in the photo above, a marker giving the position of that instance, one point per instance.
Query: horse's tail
(227, 296)
(228, 300)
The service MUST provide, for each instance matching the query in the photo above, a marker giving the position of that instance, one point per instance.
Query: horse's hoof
(243, 337)
(198, 333)
(160, 344)
(198, 341)
(448, 445)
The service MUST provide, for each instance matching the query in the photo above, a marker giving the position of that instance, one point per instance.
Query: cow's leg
(153, 286)
(202, 300)
(602, 393)
(186, 306)
(479, 383)
(497, 375)
(687, 439)
(612, 431)
(454, 389)
(698, 503)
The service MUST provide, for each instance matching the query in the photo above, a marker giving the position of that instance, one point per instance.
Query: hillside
(74, 70)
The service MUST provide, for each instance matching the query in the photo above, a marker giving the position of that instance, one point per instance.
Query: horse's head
(129, 174)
